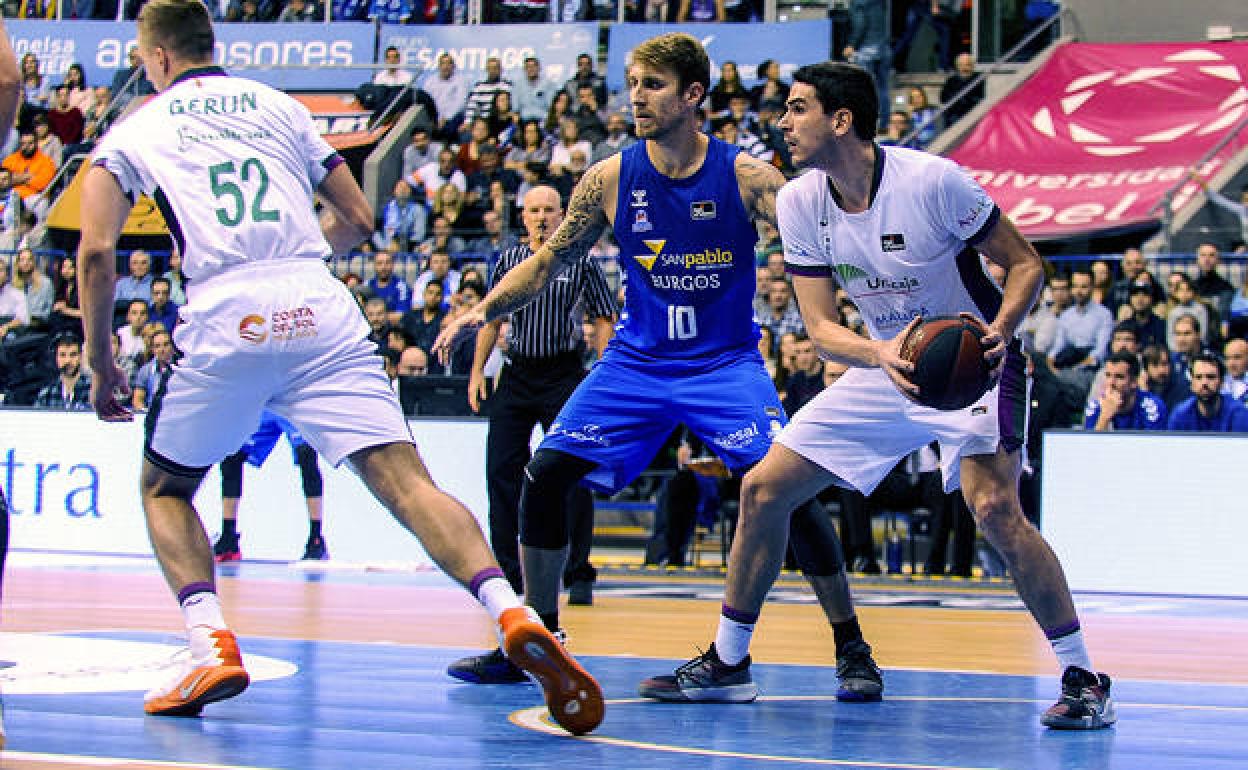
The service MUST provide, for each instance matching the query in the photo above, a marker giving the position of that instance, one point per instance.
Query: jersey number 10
(682, 324)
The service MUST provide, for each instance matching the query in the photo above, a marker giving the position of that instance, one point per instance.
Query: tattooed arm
(759, 182)
(588, 212)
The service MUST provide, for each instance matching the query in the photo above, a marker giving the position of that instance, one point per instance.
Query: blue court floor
(379, 706)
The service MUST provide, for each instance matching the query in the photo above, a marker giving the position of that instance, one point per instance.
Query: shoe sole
(573, 697)
(849, 696)
(1088, 723)
(215, 684)
(473, 678)
(737, 693)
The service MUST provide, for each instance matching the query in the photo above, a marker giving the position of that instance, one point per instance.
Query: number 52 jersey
(232, 165)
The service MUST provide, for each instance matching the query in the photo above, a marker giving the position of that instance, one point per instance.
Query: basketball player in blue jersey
(683, 207)
(901, 232)
(234, 166)
(10, 98)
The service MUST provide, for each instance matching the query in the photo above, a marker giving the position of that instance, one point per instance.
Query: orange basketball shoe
(572, 695)
(213, 671)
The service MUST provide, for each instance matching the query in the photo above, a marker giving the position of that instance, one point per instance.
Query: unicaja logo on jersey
(848, 272)
(251, 329)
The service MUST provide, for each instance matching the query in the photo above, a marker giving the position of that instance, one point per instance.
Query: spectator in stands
(922, 115)
(494, 241)
(939, 16)
(560, 110)
(588, 115)
(729, 84)
(14, 315)
(394, 74)
(413, 362)
(781, 315)
(731, 132)
(1160, 379)
(378, 325)
(177, 281)
(65, 119)
(898, 128)
(71, 390)
(162, 308)
(531, 94)
(130, 333)
(770, 87)
(1102, 281)
(618, 137)
(48, 143)
(464, 345)
(806, 380)
(1239, 210)
(569, 141)
(301, 10)
(450, 93)
(1237, 321)
(129, 81)
(32, 172)
(868, 47)
(1083, 333)
(530, 147)
(482, 94)
(244, 11)
(1211, 286)
(1187, 344)
(1235, 353)
(700, 11)
(439, 270)
(451, 206)
(149, 376)
(404, 220)
(441, 239)
(1149, 328)
(1121, 405)
(585, 76)
(423, 322)
(66, 312)
(1051, 404)
(99, 114)
(1185, 302)
(391, 289)
(1133, 272)
(434, 176)
(1039, 330)
(502, 120)
(963, 76)
(138, 283)
(35, 284)
(1208, 410)
(1123, 341)
(490, 169)
(740, 109)
(421, 152)
(36, 93)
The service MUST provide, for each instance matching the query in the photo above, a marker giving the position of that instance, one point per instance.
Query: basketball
(949, 365)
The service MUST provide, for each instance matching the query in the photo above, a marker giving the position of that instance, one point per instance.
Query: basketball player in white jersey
(234, 166)
(902, 232)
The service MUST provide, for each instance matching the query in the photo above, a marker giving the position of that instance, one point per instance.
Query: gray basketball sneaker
(705, 679)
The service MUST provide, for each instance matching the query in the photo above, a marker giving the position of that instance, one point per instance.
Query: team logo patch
(641, 222)
(656, 248)
(702, 210)
(251, 329)
(639, 199)
(893, 242)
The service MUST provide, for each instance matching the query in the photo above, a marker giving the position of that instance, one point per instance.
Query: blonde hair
(182, 27)
(676, 52)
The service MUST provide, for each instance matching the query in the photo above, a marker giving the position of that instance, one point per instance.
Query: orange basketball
(948, 358)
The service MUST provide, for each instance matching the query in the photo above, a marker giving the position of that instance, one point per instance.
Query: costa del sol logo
(1183, 84)
(251, 329)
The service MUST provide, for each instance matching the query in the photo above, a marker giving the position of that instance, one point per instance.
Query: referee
(545, 346)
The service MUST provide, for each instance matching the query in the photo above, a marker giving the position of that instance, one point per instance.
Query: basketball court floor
(349, 673)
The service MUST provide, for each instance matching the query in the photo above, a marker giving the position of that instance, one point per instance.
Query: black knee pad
(815, 542)
(548, 478)
(309, 470)
(232, 475)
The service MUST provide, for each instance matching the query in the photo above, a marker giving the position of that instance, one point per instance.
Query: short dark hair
(162, 279)
(1130, 359)
(65, 339)
(844, 86)
(133, 300)
(1188, 317)
(1208, 357)
(1155, 354)
(1126, 327)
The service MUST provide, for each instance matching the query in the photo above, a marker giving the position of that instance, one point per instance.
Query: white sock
(1071, 651)
(497, 595)
(732, 640)
(203, 609)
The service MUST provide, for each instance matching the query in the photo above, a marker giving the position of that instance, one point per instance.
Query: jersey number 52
(253, 174)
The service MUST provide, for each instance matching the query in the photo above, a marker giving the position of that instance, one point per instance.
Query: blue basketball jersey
(687, 246)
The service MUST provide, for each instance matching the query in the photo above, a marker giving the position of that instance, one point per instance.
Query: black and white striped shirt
(551, 323)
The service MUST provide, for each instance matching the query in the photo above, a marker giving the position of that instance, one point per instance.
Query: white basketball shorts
(286, 336)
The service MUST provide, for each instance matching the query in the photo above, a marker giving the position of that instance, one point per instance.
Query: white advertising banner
(73, 485)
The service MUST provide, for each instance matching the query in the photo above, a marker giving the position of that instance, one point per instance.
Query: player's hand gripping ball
(948, 358)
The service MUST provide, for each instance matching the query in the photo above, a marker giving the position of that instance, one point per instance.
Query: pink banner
(1095, 138)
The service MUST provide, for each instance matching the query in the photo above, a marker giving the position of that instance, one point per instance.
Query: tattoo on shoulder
(760, 182)
(585, 218)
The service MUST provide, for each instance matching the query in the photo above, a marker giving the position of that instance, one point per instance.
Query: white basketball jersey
(907, 254)
(231, 163)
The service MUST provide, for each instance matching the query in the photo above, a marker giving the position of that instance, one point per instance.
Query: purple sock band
(474, 585)
(737, 616)
(1060, 631)
(190, 589)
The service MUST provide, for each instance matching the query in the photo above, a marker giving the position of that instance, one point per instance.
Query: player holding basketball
(682, 206)
(901, 231)
(234, 166)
